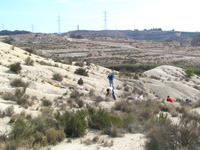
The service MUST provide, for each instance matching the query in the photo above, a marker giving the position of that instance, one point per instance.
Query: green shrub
(12, 145)
(54, 135)
(101, 119)
(16, 67)
(57, 77)
(189, 72)
(39, 137)
(22, 129)
(81, 71)
(74, 123)
(29, 61)
(44, 122)
(160, 120)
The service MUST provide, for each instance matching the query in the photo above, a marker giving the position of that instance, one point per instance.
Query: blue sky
(181, 15)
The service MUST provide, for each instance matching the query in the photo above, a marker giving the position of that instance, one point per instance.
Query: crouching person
(169, 99)
(109, 92)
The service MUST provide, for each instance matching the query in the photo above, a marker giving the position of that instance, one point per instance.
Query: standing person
(110, 77)
(169, 99)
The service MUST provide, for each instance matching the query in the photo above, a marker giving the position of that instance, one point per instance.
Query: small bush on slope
(15, 67)
(46, 102)
(81, 64)
(81, 71)
(54, 135)
(57, 77)
(19, 97)
(19, 83)
(189, 72)
(29, 61)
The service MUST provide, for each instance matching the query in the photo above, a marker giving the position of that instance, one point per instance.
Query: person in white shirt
(110, 91)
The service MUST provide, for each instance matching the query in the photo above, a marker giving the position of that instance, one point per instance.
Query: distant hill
(154, 34)
(196, 40)
(7, 32)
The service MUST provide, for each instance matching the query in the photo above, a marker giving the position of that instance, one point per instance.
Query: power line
(32, 28)
(59, 20)
(134, 26)
(2, 26)
(105, 20)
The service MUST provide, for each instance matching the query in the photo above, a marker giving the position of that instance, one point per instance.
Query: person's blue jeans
(111, 83)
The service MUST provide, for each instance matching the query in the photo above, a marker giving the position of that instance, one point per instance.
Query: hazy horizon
(42, 16)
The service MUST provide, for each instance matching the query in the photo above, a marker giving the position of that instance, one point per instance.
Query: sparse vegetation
(132, 68)
(185, 135)
(7, 40)
(75, 94)
(19, 97)
(80, 102)
(44, 63)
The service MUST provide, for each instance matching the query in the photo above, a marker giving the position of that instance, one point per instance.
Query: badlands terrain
(44, 97)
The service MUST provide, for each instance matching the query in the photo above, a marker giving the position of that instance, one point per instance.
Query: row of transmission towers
(59, 23)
